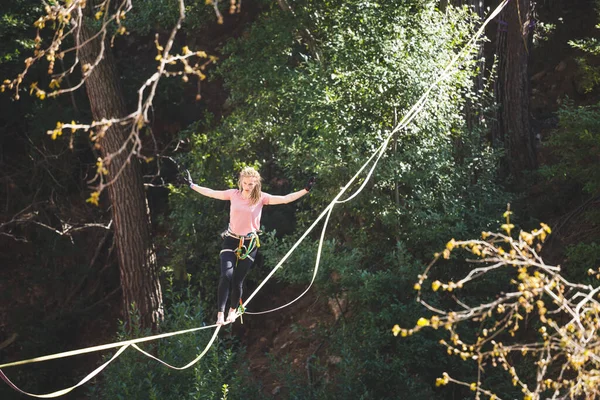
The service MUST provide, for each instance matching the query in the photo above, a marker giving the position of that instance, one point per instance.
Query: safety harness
(242, 251)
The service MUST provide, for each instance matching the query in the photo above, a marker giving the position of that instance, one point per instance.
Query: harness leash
(242, 251)
(241, 310)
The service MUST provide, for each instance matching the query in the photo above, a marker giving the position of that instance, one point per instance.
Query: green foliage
(134, 376)
(590, 46)
(542, 32)
(590, 74)
(372, 364)
(324, 110)
(16, 29)
(151, 16)
(315, 93)
(580, 258)
(575, 147)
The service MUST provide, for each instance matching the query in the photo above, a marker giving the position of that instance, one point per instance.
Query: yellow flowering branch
(566, 317)
(66, 19)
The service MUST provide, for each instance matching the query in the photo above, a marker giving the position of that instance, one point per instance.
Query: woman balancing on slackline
(239, 242)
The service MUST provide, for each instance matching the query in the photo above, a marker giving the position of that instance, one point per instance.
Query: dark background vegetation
(297, 94)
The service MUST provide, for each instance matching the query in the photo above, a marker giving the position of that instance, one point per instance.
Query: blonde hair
(250, 172)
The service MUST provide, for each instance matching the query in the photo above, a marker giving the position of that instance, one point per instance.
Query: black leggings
(232, 275)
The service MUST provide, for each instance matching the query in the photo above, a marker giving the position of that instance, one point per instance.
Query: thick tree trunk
(139, 275)
(512, 88)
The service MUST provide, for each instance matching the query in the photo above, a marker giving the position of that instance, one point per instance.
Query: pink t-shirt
(243, 216)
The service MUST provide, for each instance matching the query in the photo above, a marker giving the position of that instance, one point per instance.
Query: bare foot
(220, 318)
(231, 316)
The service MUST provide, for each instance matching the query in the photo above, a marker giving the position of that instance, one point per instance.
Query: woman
(241, 239)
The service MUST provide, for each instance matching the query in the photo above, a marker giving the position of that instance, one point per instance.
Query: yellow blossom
(507, 227)
(100, 167)
(94, 198)
(473, 386)
(422, 322)
(33, 87)
(396, 330)
(440, 382)
(546, 228)
(436, 285)
(443, 380)
(56, 132)
(40, 23)
(527, 237)
(417, 286)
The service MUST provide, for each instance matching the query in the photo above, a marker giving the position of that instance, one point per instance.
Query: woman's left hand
(310, 183)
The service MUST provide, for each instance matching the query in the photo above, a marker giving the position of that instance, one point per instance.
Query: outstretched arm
(288, 198)
(215, 194)
(292, 196)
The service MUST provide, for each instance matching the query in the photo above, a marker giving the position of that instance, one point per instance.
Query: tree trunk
(512, 89)
(137, 261)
